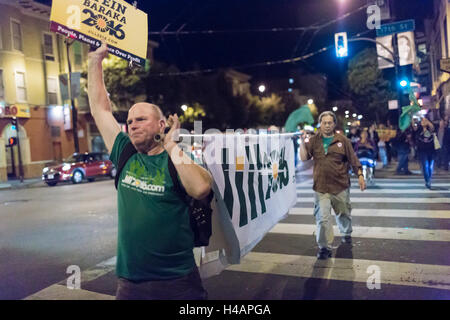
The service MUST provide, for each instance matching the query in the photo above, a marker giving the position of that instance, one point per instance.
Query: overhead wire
(252, 65)
(275, 29)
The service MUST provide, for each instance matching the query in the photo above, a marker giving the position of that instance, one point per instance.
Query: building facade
(34, 92)
(438, 32)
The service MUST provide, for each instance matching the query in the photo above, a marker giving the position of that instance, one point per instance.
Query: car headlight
(66, 167)
(45, 170)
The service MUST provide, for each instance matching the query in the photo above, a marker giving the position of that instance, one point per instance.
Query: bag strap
(126, 154)
(176, 183)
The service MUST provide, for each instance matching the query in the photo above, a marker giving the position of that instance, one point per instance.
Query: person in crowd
(403, 145)
(333, 154)
(155, 257)
(424, 139)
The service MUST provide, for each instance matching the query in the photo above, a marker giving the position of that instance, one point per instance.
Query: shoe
(347, 239)
(428, 185)
(324, 254)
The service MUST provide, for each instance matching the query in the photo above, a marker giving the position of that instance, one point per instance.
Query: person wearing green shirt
(155, 242)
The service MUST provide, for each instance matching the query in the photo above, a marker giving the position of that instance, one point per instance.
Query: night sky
(234, 49)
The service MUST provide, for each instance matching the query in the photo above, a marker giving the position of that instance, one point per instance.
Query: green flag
(404, 121)
(301, 115)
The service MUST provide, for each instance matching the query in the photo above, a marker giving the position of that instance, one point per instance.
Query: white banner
(254, 186)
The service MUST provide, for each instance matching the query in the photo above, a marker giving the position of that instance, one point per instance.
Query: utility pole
(74, 109)
(15, 123)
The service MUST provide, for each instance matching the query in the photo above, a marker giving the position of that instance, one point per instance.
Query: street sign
(419, 89)
(395, 27)
(445, 65)
(393, 105)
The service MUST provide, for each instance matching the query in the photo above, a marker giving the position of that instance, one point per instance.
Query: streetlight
(262, 88)
(310, 101)
(360, 117)
(184, 107)
(347, 112)
(354, 115)
(335, 109)
(347, 116)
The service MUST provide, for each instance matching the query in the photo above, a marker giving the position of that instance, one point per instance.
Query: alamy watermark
(74, 281)
(374, 280)
(373, 17)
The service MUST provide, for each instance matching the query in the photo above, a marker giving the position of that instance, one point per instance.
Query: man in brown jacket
(333, 154)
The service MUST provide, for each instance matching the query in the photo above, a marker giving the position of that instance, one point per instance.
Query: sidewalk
(17, 184)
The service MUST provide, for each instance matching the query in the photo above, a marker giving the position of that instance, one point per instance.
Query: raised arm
(196, 180)
(98, 98)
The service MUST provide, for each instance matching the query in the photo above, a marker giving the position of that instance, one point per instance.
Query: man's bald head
(144, 107)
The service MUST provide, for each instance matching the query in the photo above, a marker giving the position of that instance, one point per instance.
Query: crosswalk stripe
(383, 191)
(387, 184)
(385, 200)
(356, 270)
(427, 214)
(369, 232)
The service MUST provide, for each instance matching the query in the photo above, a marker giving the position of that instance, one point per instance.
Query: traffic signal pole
(16, 124)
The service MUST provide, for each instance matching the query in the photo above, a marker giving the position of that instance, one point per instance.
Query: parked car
(78, 167)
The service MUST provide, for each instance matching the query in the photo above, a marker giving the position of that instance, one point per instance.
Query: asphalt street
(399, 227)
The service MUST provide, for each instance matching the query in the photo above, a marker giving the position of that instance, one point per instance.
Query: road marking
(381, 191)
(369, 232)
(60, 292)
(387, 184)
(99, 270)
(355, 270)
(428, 214)
(385, 200)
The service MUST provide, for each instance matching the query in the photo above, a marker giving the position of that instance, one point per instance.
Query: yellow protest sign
(120, 24)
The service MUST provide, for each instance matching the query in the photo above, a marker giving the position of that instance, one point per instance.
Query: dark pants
(402, 160)
(188, 287)
(427, 162)
(442, 158)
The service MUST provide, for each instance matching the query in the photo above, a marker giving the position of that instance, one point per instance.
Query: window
(2, 88)
(55, 131)
(21, 89)
(52, 90)
(77, 54)
(16, 31)
(48, 47)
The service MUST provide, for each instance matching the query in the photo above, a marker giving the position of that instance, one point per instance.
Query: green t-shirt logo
(139, 179)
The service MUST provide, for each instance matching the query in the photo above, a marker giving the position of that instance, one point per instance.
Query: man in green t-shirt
(155, 257)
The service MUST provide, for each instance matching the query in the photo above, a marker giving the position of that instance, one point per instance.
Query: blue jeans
(323, 202)
(383, 156)
(427, 162)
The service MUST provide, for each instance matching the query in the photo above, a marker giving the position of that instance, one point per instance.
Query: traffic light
(403, 82)
(14, 123)
(340, 41)
(12, 141)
